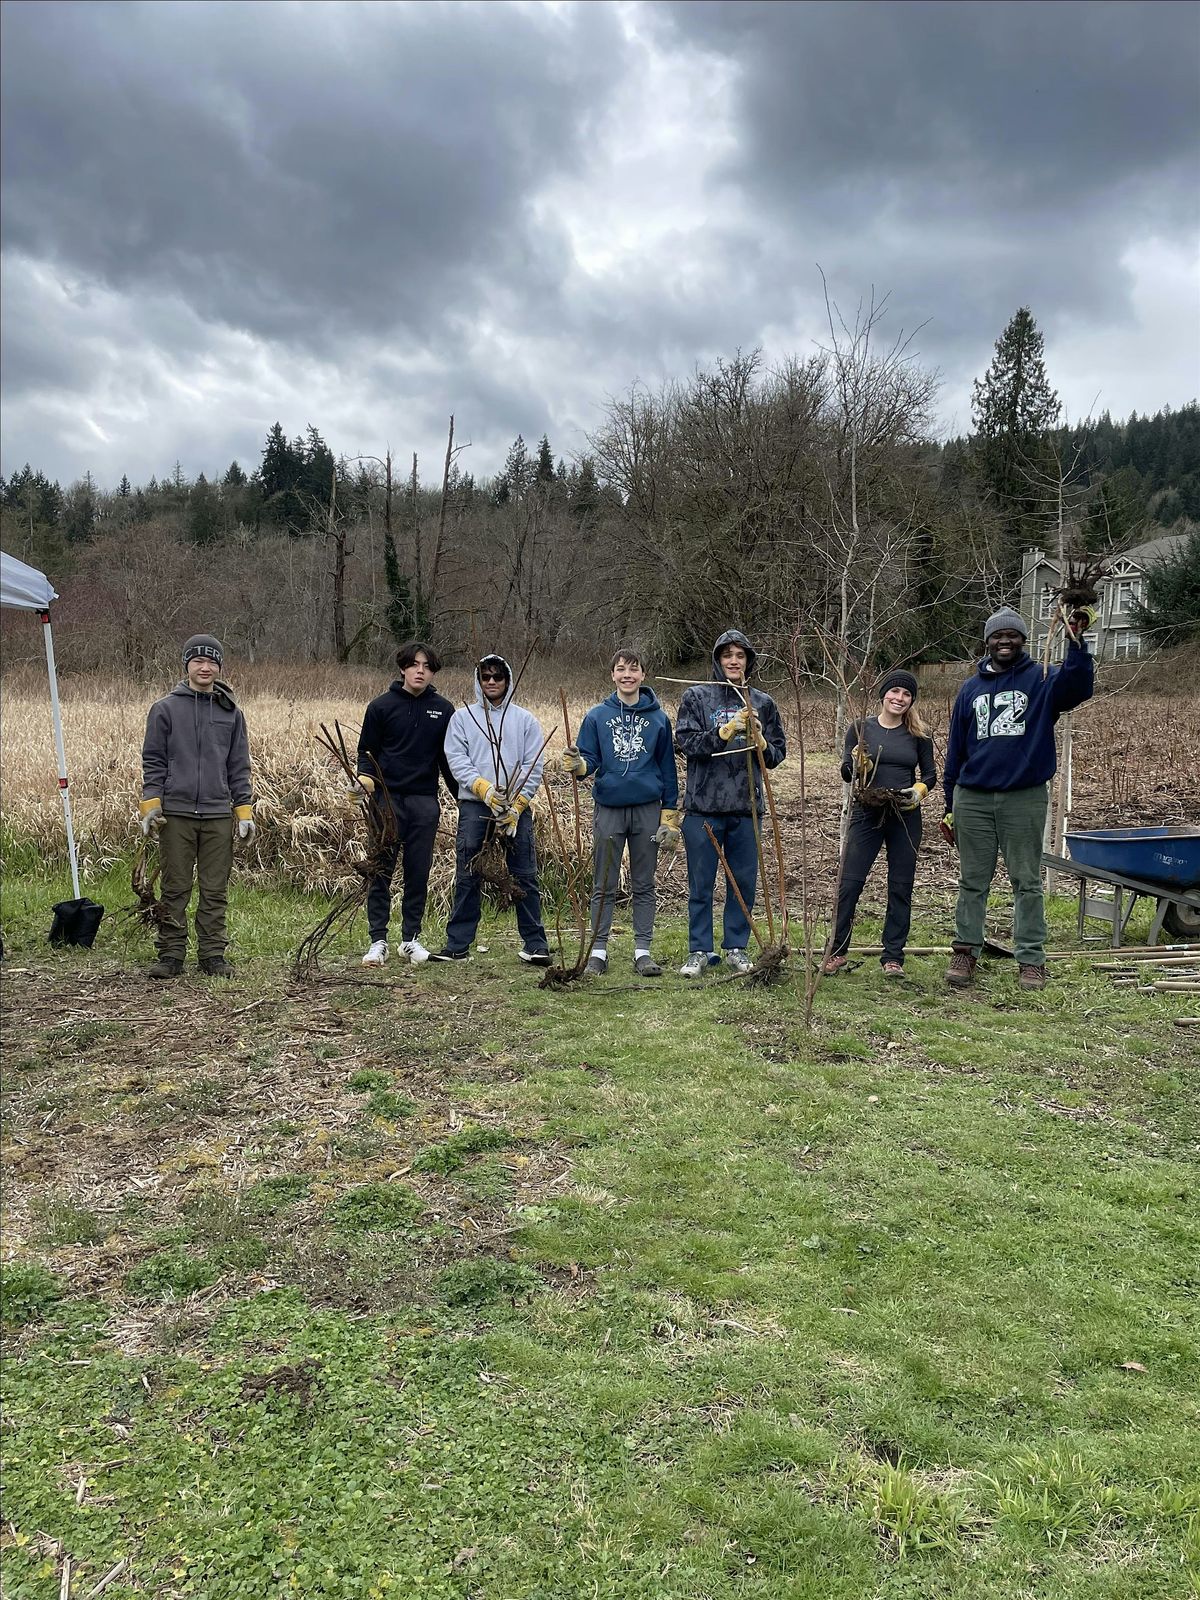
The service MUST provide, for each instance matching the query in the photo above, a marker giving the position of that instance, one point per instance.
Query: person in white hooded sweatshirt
(494, 749)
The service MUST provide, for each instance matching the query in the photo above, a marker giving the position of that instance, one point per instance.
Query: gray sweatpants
(613, 829)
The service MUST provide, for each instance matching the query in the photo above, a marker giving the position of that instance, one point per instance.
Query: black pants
(416, 829)
(870, 831)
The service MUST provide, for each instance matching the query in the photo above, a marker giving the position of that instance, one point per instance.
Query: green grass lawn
(440, 1284)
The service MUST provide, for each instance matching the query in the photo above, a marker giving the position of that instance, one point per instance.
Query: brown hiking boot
(960, 974)
(165, 967)
(832, 965)
(1032, 977)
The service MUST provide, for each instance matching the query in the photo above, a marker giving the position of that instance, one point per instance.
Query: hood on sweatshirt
(733, 636)
(480, 698)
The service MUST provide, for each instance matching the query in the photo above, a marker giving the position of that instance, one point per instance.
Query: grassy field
(430, 1282)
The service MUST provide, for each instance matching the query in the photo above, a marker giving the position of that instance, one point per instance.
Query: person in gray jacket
(718, 723)
(494, 749)
(195, 792)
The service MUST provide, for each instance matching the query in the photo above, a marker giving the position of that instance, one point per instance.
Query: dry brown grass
(1136, 758)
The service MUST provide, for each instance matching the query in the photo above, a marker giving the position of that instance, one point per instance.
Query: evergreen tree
(1170, 611)
(281, 474)
(79, 521)
(1013, 408)
(123, 487)
(518, 473)
(544, 471)
(234, 477)
(203, 513)
(585, 492)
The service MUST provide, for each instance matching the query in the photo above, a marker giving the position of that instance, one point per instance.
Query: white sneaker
(377, 955)
(415, 951)
(739, 961)
(695, 964)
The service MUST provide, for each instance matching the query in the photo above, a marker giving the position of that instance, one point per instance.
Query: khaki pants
(191, 848)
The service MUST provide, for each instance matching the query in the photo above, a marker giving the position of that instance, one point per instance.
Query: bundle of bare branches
(1078, 591)
(570, 965)
(144, 879)
(380, 828)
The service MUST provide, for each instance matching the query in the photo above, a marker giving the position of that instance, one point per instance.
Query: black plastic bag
(76, 922)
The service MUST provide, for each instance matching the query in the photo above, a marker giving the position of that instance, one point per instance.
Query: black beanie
(898, 679)
(203, 644)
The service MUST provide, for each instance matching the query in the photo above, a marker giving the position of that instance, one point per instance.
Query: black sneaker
(647, 967)
(165, 967)
(216, 967)
(446, 954)
(596, 967)
(535, 958)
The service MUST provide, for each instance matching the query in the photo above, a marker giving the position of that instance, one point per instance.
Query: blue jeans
(473, 824)
(735, 835)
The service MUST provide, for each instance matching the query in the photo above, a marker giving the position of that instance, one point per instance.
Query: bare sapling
(380, 826)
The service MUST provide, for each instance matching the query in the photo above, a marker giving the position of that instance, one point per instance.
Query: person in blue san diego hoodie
(624, 745)
(712, 732)
(1000, 758)
(494, 749)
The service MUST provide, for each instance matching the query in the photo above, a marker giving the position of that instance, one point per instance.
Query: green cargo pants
(1008, 822)
(191, 848)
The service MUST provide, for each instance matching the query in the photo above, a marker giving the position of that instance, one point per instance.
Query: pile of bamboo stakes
(1168, 969)
(1146, 969)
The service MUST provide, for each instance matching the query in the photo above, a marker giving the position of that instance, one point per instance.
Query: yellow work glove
(488, 794)
(1081, 619)
(360, 791)
(667, 834)
(736, 724)
(911, 797)
(573, 763)
(246, 828)
(946, 828)
(150, 817)
(506, 822)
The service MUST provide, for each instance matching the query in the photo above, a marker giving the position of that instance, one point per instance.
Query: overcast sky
(366, 216)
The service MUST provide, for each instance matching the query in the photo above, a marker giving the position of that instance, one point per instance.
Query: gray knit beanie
(1006, 617)
(203, 644)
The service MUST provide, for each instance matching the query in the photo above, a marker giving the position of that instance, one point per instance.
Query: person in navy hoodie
(625, 745)
(1000, 758)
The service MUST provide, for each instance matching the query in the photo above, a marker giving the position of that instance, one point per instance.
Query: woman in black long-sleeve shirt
(888, 751)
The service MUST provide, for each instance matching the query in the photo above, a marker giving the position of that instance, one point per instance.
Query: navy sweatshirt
(1002, 725)
(629, 752)
(406, 734)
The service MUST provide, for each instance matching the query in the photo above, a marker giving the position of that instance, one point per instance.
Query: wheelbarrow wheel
(1182, 921)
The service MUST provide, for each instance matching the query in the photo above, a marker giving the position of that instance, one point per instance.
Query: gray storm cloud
(368, 215)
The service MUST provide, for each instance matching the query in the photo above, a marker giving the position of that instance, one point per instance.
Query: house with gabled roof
(1115, 636)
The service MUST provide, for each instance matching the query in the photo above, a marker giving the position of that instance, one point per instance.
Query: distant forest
(805, 503)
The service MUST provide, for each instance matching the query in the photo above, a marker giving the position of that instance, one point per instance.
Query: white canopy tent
(27, 589)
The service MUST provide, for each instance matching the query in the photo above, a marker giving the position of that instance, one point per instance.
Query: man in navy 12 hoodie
(1000, 758)
(625, 745)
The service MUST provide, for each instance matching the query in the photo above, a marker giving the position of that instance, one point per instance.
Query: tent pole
(63, 787)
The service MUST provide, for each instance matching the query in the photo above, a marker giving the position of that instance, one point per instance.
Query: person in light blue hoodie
(494, 749)
(625, 747)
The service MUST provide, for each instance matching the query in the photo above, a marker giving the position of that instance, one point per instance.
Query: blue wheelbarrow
(1162, 864)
